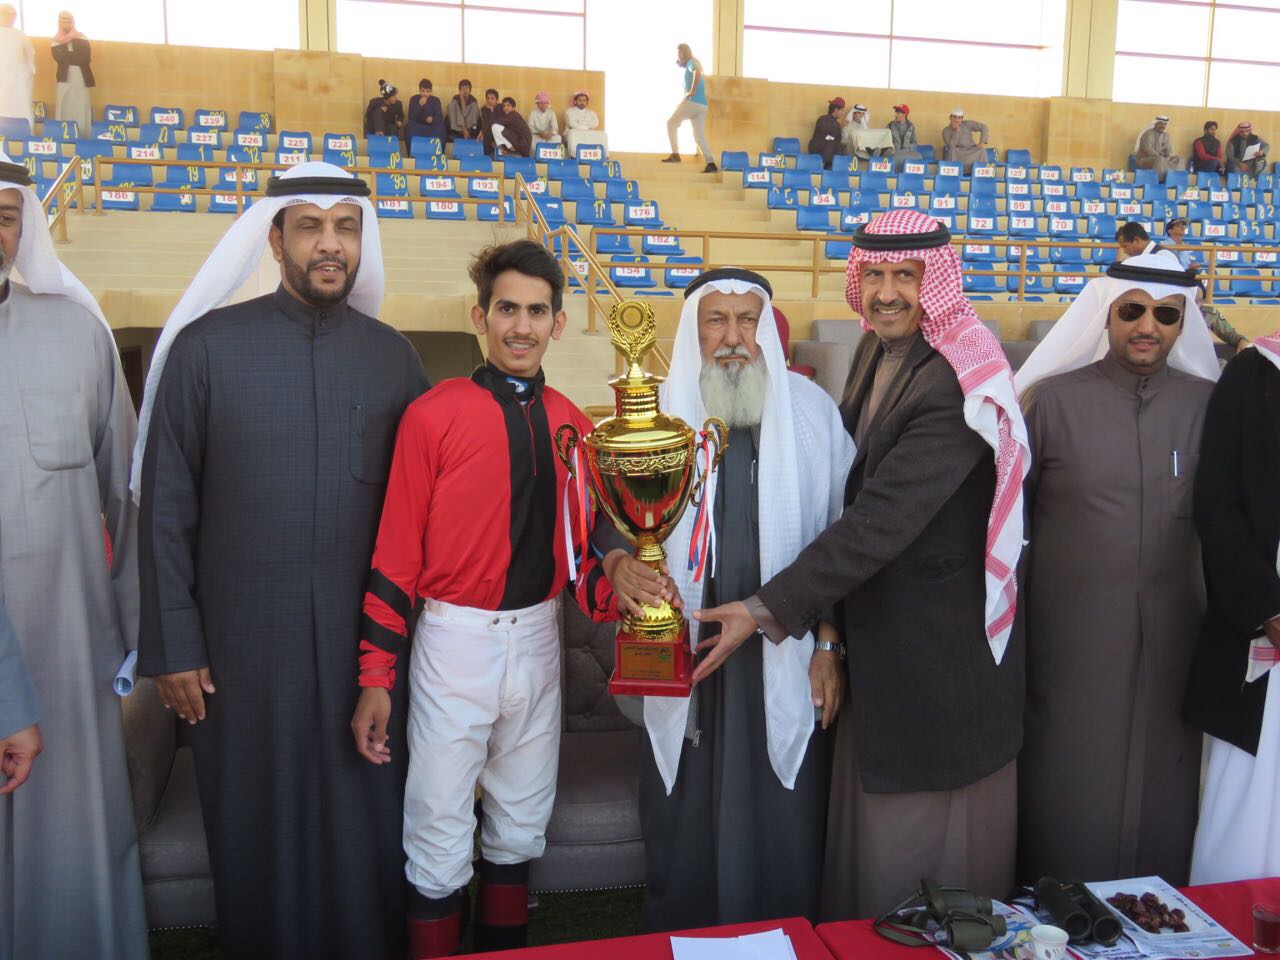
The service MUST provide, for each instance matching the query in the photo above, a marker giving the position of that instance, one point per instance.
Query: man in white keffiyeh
(1230, 696)
(733, 818)
(1115, 400)
(921, 563)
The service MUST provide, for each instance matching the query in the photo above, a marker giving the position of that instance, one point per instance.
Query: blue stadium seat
(1063, 227)
(904, 201)
(834, 180)
(195, 152)
(837, 246)
(211, 119)
(610, 243)
(527, 167)
(842, 163)
(797, 179)
(589, 152)
(604, 171)
(339, 158)
(949, 168)
(981, 224)
(1069, 278)
(393, 196)
(1208, 179)
(87, 150)
(813, 218)
(256, 120)
(488, 188)
(1199, 210)
(1018, 224)
(977, 283)
(735, 160)
(782, 198)
(102, 130)
(179, 178)
(466, 148)
(433, 161)
(1145, 178)
(1036, 282)
(1249, 230)
(982, 188)
(946, 184)
(771, 160)
(340, 142)
(594, 212)
(1081, 175)
(677, 277)
(425, 145)
(168, 117)
(634, 277)
(116, 193)
(664, 243)
(1068, 255)
(1013, 253)
(788, 146)
(1214, 231)
(641, 213)
(873, 181)
(289, 158)
(620, 191)
(480, 164)
(439, 186)
(811, 162)
(1017, 158)
(447, 209)
(757, 178)
(489, 211)
(1089, 190)
(552, 210)
(381, 157)
(1247, 282)
(927, 152)
(248, 138)
(909, 183)
(60, 130)
(294, 140)
(943, 204)
(1177, 179)
(559, 169)
(823, 198)
(120, 113)
(544, 152)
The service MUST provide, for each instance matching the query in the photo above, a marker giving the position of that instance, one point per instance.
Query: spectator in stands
(1246, 151)
(542, 122)
(463, 114)
(1153, 149)
(958, 144)
(1175, 230)
(692, 108)
(1230, 696)
(924, 781)
(1219, 326)
(385, 113)
(827, 132)
(17, 67)
(856, 137)
(1209, 156)
(511, 133)
(903, 131)
(70, 881)
(71, 53)
(1111, 619)
(426, 116)
(581, 125)
(1133, 240)
(761, 758)
(489, 114)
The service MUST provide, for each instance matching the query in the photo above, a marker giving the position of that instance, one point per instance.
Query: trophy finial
(633, 329)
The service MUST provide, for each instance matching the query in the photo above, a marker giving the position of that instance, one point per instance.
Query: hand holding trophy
(640, 466)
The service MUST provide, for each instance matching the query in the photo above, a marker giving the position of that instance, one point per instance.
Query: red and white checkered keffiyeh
(991, 409)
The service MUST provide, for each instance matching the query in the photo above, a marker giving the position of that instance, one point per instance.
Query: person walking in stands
(692, 108)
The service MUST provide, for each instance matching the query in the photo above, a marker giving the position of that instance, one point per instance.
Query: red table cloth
(657, 946)
(1231, 904)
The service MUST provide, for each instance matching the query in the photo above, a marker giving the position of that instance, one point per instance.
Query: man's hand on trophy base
(736, 624)
(637, 584)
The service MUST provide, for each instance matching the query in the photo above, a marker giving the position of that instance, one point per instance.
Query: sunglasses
(1165, 315)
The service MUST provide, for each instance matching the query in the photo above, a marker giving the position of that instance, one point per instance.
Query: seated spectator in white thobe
(542, 122)
(1154, 149)
(581, 125)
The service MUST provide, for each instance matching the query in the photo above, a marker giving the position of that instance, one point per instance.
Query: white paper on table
(1252, 151)
(127, 675)
(769, 945)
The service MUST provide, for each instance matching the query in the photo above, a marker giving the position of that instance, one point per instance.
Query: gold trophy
(640, 465)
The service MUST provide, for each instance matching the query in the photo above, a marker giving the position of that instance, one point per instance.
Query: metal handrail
(70, 189)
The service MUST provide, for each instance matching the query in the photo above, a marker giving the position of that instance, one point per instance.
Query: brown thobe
(880, 844)
(1109, 772)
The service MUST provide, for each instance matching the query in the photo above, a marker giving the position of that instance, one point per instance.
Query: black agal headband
(327, 186)
(865, 240)
(1170, 278)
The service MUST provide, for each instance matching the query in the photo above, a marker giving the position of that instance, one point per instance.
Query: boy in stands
(473, 524)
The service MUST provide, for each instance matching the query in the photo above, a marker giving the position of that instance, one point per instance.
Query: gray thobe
(70, 883)
(731, 843)
(1155, 152)
(1114, 597)
(263, 479)
(19, 702)
(958, 145)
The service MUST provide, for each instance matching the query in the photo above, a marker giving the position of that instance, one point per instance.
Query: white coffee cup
(1050, 942)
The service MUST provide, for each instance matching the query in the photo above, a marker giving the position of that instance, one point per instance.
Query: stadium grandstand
(192, 114)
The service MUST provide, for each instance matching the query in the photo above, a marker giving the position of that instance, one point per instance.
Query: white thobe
(17, 70)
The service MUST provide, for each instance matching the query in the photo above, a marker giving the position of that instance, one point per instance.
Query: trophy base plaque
(652, 668)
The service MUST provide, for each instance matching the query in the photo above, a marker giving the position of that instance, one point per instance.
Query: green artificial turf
(558, 918)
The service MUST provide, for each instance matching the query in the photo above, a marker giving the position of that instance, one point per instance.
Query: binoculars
(1075, 909)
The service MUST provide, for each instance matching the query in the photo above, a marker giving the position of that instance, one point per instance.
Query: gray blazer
(904, 567)
(19, 704)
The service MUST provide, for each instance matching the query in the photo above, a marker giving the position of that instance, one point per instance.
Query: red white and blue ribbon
(702, 542)
(577, 480)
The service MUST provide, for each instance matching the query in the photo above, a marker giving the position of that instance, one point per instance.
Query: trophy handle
(717, 432)
(565, 440)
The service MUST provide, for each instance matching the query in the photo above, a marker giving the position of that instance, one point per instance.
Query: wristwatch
(826, 645)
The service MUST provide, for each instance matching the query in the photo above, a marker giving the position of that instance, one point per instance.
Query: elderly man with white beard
(733, 787)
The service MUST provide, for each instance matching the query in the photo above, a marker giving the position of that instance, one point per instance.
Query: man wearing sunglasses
(1114, 399)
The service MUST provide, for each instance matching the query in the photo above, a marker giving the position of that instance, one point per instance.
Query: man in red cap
(903, 132)
(921, 565)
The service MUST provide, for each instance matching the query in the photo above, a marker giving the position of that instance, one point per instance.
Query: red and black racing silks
(473, 514)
